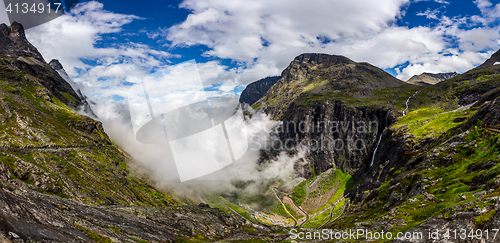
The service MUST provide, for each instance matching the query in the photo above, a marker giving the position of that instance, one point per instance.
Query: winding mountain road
(274, 189)
(304, 212)
(50, 147)
(331, 213)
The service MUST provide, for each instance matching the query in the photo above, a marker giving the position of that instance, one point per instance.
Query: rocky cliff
(336, 100)
(492, 62)
(257, 89)
(435, 166)
(438, 166)
(13, 43)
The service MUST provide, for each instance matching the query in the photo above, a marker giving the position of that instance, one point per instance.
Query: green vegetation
(484, 218)
(431, 121)
(64, 148)
(449, 182)
(94, 236)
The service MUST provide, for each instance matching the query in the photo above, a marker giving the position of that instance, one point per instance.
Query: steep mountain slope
(257, 89)
(430, 78)
(441, 167)
(47, 146)
(436, 167)
(63, 180)
(13, 43)
(322, 91)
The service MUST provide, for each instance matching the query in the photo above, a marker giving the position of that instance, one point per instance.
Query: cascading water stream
(379, 140)
(408, 100)
(376, 148)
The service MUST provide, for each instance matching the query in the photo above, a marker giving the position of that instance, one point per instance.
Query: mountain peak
(492, 61)
(323, 58)
(17, 30)
(56, 65)
(430, 78)
(13, 42)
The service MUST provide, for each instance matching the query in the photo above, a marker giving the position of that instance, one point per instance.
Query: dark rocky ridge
(490, 63)
(13, 42)
(430, 78)
(56, 65)
(257, 89)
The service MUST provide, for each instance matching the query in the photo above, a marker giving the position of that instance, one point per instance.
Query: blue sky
(107, 45)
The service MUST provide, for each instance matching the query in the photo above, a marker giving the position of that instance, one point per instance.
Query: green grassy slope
(46, 146)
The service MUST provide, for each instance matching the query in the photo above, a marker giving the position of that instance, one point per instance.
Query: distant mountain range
(430, 78)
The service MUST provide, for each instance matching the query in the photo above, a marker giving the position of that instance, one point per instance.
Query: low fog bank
(248, 175)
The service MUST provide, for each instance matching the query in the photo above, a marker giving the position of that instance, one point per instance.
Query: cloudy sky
(108, 45)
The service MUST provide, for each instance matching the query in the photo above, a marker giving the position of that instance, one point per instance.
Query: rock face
(33, 217)
(315, 91)
(425, 79)
(13, 43)
(47, 147)
(257, 89)
(56, 65)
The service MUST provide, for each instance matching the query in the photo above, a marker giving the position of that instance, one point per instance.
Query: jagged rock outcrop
(56, 65)
(13, 43)
(257, 89)
(425, 79)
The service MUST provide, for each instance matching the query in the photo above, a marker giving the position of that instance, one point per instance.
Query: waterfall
(407, 101)
(376, 148)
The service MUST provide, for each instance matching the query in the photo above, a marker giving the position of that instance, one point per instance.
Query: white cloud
(263, 37)
(73, 39)
(430, 14)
